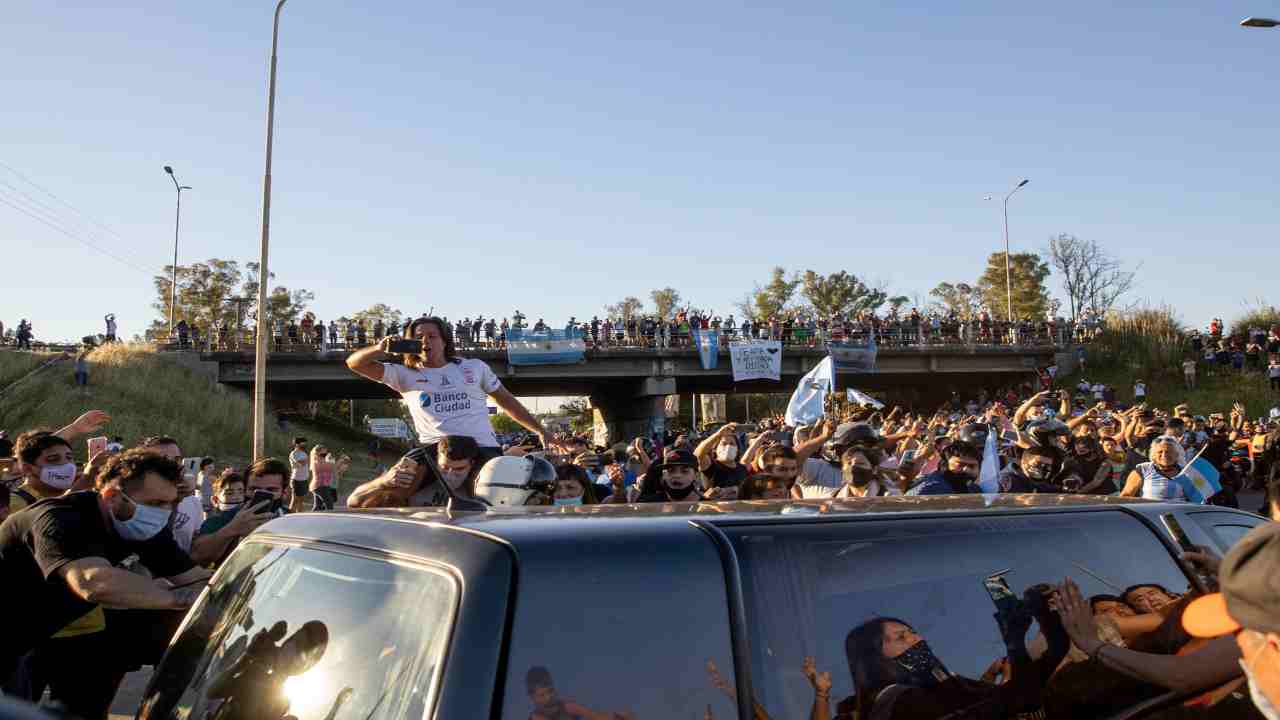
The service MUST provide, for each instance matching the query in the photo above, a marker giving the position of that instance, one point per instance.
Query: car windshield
(273, 638)
(829, 591)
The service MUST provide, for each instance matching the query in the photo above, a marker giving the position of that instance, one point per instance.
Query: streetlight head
(1257, 22)
(168, 169)
(1024, 182)
(987, 197)
(184, 187)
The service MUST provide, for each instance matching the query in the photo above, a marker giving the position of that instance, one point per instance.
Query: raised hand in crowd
(87, 423)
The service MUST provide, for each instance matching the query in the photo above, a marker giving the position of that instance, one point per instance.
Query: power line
(48, 192)
(73, 236)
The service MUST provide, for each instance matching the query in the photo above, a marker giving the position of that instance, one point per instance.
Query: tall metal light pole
(264, 276)
(177, 220)
(1008, 275)
(1257, 22)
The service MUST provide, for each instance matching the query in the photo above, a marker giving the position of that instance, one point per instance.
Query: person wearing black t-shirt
(724, 473)
(62, 556)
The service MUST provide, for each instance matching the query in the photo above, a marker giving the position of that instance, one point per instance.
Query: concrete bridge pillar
(632, 411)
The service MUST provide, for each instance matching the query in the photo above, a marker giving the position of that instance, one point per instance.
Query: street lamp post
(1258, 22)
(1008, 274)
(264, 276)
(177, 220)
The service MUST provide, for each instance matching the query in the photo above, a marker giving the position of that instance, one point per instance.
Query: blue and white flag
(989, 474)
(808, 401)
(860, 398)
(708, 342)
(1199, 480)
(552, 347)
(854, 357)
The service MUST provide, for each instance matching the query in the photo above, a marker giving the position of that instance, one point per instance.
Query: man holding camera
(446, 394)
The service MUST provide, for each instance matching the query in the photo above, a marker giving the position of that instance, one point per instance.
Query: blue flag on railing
(854, 357)
(551, 347)
(708, 342)
(1200, 480)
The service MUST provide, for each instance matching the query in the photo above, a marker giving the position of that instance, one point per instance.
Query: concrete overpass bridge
(627, 385)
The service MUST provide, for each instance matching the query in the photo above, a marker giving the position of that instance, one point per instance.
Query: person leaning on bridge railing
(446, 394)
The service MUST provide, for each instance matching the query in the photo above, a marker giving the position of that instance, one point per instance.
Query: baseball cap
(677, 458)
(1250, 581)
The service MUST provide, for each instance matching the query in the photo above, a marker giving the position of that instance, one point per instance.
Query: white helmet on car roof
(513, 481)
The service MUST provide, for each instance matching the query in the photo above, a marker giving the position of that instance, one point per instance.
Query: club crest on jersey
(468, 376)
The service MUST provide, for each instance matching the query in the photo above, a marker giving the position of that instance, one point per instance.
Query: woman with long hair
(897, 676)
(445, 394)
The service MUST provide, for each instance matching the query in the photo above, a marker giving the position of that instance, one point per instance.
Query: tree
(897, 301)
(578, 410)
(769, 300)
(1028, 272)
(204, 292)
(625, 309)
(282, 303)
(838, 293)
(372, 314)
(665, 301)
(962, 299)
(503, 423)
(1092, 279)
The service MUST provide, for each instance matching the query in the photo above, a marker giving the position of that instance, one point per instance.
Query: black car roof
(520, 526)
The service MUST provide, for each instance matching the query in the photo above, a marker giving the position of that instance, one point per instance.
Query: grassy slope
(145, 394)
(1165, 389)
(14, 364)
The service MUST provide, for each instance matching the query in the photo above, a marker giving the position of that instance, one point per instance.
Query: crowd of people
(82, 544)
(797, 328)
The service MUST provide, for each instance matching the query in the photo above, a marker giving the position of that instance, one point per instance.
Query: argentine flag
(1199, 480)
(708, 342)
(808, 401)
(989, 474)
(552, 347)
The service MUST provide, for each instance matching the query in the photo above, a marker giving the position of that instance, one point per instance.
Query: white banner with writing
(756, 360)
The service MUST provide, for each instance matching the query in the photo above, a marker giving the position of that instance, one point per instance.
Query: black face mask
(918, 666)
(679, 493)
(858, 476)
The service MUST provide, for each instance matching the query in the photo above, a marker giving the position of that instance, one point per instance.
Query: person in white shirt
(1139, 391)
(300, 468)
(445, 394)
(1099, 391)
(1189, 373)
(1084, 386)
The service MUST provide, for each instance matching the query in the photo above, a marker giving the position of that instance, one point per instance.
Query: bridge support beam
(633, 411)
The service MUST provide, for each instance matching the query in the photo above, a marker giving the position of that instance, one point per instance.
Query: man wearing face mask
(47, 465)
(223, 530)
(1248, 608)
(61, 557)
(724, 474)
(958, 474)
(860, 477)
(675, 479)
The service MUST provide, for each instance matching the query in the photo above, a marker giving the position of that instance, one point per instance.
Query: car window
(311, 634)
(807, 587)
(620, 627)
(1226, 528)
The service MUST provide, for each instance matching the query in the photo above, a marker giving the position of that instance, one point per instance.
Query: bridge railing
(1039, 335)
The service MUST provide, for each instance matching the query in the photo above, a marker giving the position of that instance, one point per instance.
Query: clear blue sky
(556, 156)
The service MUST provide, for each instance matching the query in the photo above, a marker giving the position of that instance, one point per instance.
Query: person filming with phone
(446, 394)
(244, 504)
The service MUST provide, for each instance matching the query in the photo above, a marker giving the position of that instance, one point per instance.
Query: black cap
(678, 458)
(1250, 581)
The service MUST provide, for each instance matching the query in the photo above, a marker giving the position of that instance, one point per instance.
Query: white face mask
(726, 453)
(58, 477)
(1260, 699)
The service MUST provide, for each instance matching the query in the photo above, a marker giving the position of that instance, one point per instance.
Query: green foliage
(838, 293)
(767, 301)
(962, 298)
(578, 410)
(897, 301)
(1027, 272)
(1147, 341)
(665, 302)
(503, 423)
(1260, 315)
(146, 393)
(625, 309)
(15, 365)
(205, 291)
(372, 314)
